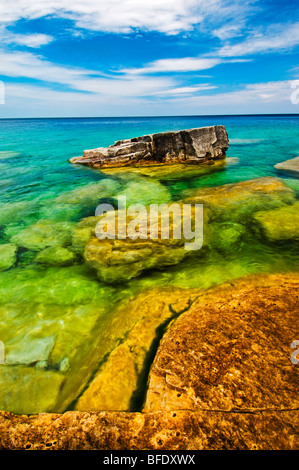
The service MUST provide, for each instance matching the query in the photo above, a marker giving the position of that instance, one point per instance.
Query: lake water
(57, 322)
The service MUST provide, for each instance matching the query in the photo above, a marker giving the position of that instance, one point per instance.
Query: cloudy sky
(148, 57)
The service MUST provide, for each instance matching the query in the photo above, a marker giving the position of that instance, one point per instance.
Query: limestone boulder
(237, 201)
(221, 379)
(187, 146)
(231, 351)
(279, 224)
(119, 382)
(175, 430)
(120, 259)
(228, 220)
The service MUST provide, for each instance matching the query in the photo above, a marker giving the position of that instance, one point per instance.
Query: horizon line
(151, 116)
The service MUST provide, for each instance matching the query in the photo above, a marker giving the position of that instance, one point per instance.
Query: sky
(88, 58)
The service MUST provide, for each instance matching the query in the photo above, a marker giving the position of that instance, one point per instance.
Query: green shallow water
(60, 323)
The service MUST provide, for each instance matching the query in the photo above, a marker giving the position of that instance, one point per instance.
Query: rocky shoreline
(183, 364)
(190, 146)
(221, 379)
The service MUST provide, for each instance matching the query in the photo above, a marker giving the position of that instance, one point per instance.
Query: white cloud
(277, 37)
(126, 83)
(179, 65)
(185, 64)
(186, 90)
(252, 98)
(228, 30)
(268, 97)
(165, 16)
(29, 40)
(28, 65)
(126, 87)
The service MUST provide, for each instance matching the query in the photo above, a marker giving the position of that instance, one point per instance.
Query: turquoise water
(34, 153)
(58, 321)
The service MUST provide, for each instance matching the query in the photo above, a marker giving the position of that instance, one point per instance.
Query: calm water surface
(53, 319)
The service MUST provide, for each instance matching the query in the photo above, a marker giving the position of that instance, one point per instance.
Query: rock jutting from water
(289, 166)
(194, 146)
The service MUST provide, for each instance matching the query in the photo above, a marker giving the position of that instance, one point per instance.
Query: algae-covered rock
(57, 285)
(172, 172)
(16, 212)
(144, 190)
(135, 189)
(292, 183)
(12, 229)
(280, 224)
(80, 202)
(42, 234)
(238, 201)
(55, 256)
(228, 209)
(48, 338)
(225, 236)
(51, 320)
(61, 212)
(26, 257)
(90, 193)
(8, 256)
(231, 351)
(83, 233)
(27, 389)
(120, 259)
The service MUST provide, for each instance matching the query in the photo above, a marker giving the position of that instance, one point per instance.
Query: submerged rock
(221, 379)
(289, 166)
(236, 201)
(120, 259)
(280, 224)
(43, 234)
(8, 256)
(225, 236)
(143, 190)
(176, 171)
(119, 382)
(28, 350)
(55, 256)
(188, 146)
(82, 234)
(231, 351)
(227, 220)
(29, 389)
(16, 212)
(50, 323)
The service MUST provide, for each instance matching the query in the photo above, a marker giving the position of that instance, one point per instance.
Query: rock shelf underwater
(74, 309)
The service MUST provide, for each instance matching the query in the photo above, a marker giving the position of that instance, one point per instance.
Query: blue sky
(148, 57)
